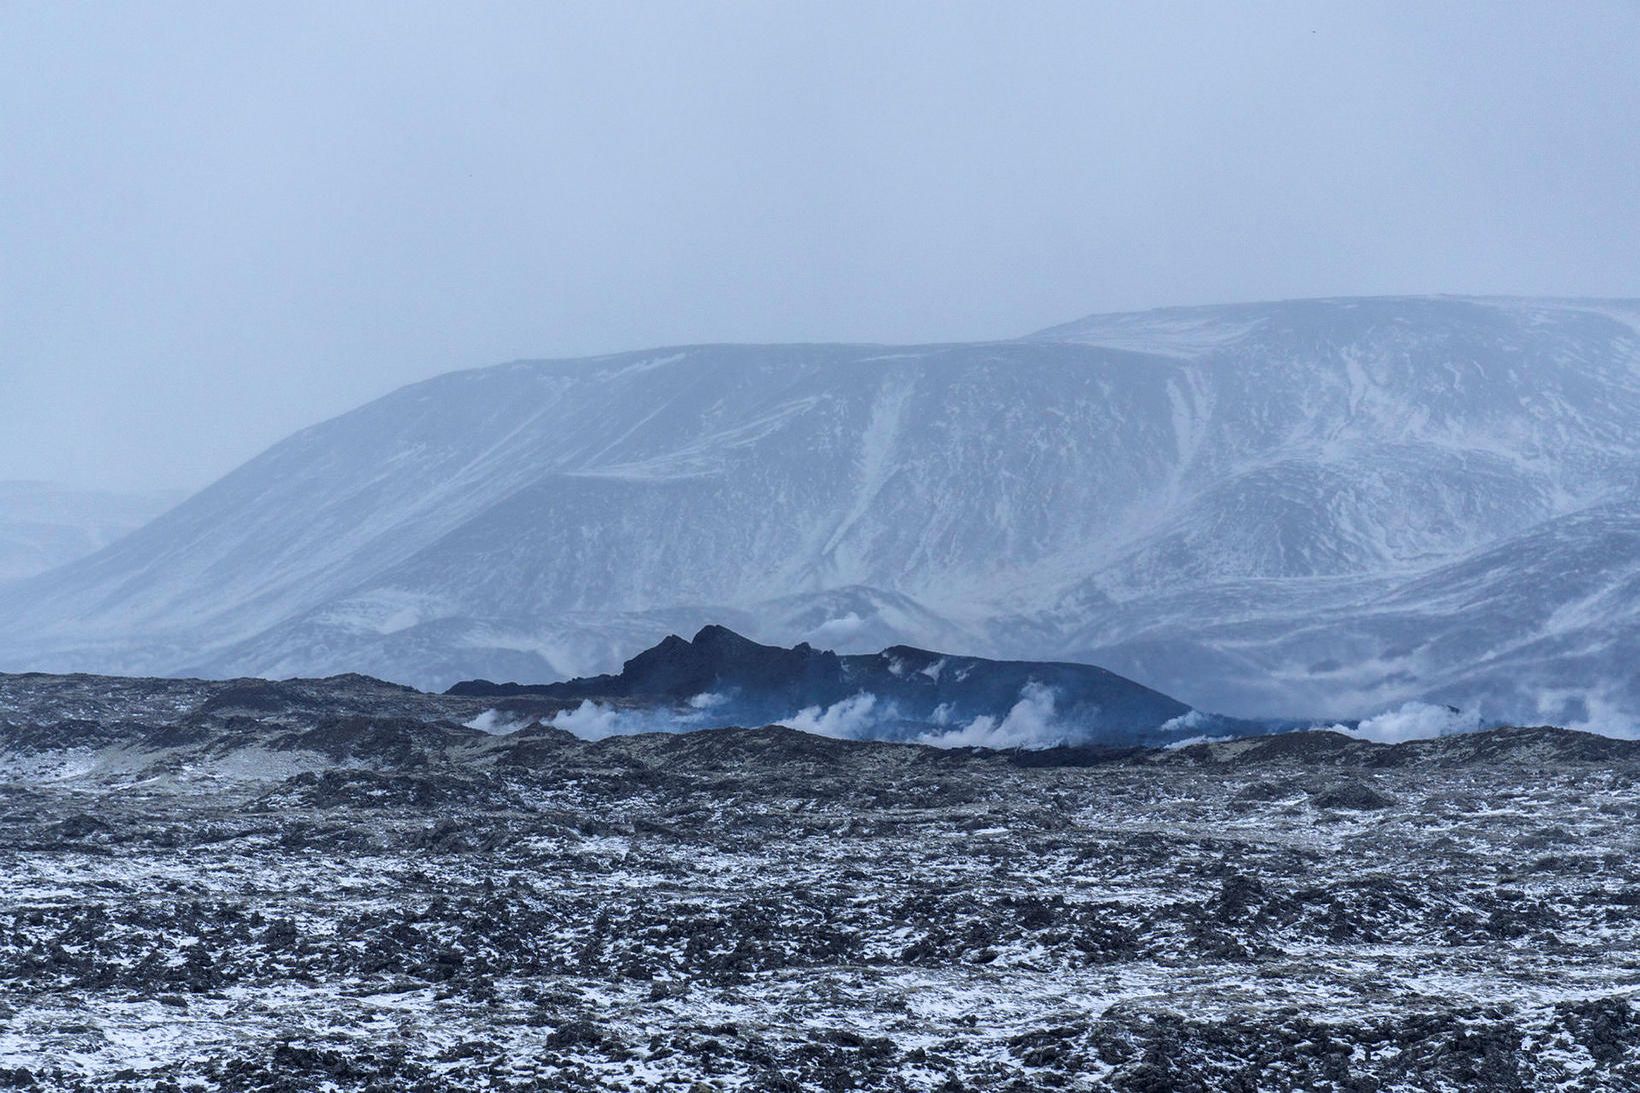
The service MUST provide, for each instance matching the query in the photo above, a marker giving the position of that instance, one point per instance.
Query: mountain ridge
(719, 677)
(45, 524)
(1179, 517)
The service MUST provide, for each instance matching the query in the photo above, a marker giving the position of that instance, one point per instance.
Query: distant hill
(1320, 507)
(900, 693)
(43, 525)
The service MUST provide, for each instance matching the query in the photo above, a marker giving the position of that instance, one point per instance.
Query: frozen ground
(224, 886)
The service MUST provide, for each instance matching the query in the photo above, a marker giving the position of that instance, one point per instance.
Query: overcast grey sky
(222, 222)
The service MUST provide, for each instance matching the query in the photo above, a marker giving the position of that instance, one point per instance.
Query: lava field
(338, 885)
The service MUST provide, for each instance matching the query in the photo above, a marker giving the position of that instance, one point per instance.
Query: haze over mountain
(1315, 507)
(43, 524)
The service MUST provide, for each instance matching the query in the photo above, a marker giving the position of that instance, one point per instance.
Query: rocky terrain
(339, 885)
(719, 678)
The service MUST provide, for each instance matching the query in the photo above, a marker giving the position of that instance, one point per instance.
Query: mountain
(43, 525)
(1322, 507)
(721, 678)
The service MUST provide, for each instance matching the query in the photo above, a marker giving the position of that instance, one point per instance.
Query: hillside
(1319, 507)
(44, 525)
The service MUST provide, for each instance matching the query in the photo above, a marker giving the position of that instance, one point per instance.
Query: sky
(220, 223)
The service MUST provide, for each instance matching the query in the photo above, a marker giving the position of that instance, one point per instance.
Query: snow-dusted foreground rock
(240, 886)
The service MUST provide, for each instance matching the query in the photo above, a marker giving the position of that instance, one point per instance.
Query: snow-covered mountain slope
(43, 525)
(1317, 507)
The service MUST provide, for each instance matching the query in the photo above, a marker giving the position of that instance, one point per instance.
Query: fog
(219, 224)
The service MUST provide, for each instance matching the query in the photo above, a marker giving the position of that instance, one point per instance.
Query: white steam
(1031, 723)
(850, 719)
(497, 723)
(1192, 741)
(839, 629)
(1413, 721)
(1596, 712)
(594, 720)
(1191, 719)
(590, 720)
